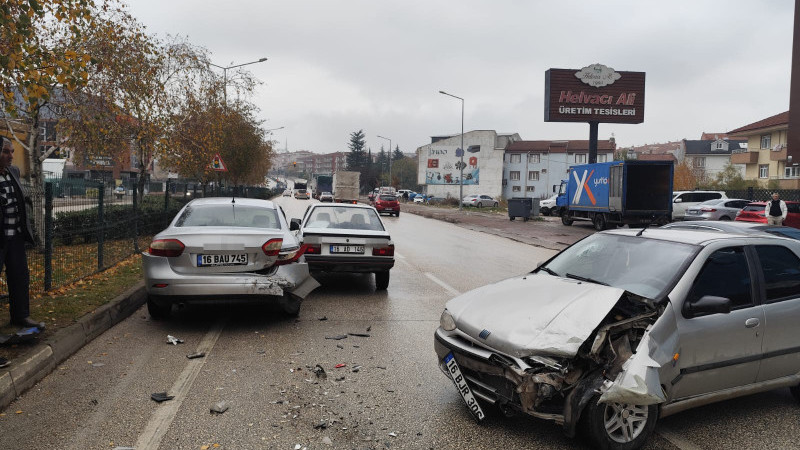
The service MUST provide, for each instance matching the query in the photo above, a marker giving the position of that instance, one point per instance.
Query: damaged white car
(625, 327)
(226, 250)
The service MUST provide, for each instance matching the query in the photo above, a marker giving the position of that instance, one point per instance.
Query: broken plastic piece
(359, 334)
(340, 365)
(323, 318)
(196, 355)
(320, 372)
(321, 426)
(356, 369)
(173, 340)
(161, 396)
(337, 337)
(220, 407)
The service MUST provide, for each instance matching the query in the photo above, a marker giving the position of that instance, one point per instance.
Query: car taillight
(313, 249)
(738, 213)
(706, 209)
(291, 256)
(383, 251)
(166, 247)
(272, 247)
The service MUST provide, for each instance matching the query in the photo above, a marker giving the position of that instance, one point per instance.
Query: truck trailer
(617, 193)
(346, 186)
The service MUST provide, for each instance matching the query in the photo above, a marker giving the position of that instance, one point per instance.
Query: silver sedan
(224, 250)
(716, 209)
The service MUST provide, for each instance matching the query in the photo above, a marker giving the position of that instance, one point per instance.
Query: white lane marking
(399, 256)
(441, 283)
(160, 421)
(675, 439)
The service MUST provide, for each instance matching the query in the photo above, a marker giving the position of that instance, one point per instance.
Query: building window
(602, 157)
(699, 162)
(515, 189)
(766, 141)
(719, 145)
(534, 158)
(793, 172)
(514, 175)
(530, 188)
(515, 158)
(533, 175)
(763, 171)
(580, 158)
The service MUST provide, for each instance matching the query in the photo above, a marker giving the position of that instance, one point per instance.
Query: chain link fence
(83, 227)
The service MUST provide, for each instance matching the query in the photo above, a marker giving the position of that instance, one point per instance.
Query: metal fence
(763, 195)
(83, 227)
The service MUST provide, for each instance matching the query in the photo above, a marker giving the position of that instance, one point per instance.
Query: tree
(397, 154)
(404, 173)
(246, 150)
(730, 178)
(357, 158)
(684, 178)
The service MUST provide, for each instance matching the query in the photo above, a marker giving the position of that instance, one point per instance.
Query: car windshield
(754, 207)
(228, 216)
(638, 265)
(388, 198)
(342, 217)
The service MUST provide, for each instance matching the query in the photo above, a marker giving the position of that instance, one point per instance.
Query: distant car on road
(223, 250)
(716, 209)
(682, 200)
(287, 193)
(479, 200)
(302, 194)
(346, 238)
(419, 198)
(548, 206)
(387, 204)
(326, 197)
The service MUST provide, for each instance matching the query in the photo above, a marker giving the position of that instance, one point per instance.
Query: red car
(386, 203)
(754, 212)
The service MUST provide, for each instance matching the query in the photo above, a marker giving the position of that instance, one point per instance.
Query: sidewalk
(43, 357)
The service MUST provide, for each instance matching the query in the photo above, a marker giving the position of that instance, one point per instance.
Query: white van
(682, 200)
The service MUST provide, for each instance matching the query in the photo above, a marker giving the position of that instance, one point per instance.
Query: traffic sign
(459, 152)
(217, 164)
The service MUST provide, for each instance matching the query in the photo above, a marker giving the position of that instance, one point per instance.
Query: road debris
(220, 407)
(173, 340)
(321, 426)
(355, 369)
(338, 337)
(327, 441)
(359, 334)
(340, 346)
(161, 396)
(323, 318)
(196, 355)
(320, 372)
(393, 434)
(340, 365)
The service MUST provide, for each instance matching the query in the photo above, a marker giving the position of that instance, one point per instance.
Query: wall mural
(444, 165)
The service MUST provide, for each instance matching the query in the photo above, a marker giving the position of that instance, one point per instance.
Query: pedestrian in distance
(775, 210)
(16, 232)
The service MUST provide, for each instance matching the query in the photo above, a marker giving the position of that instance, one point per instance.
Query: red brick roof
(769, 122)
(660, 157)
(713, 136)
(603, 146)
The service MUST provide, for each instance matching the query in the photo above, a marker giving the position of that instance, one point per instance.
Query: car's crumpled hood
(535, 314)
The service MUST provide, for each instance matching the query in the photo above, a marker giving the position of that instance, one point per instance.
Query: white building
(483, 159)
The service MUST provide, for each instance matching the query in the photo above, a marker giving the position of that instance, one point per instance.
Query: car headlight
(447, 322)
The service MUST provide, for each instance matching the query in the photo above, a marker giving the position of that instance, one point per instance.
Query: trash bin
(520, 207)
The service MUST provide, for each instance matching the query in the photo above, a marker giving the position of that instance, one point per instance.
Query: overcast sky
(339, 66)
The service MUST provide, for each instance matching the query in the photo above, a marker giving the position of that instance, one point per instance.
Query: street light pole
(461, 166)
(225, 74)
(390, 158)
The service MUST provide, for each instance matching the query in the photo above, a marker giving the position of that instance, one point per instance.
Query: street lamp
(390, 158)
(461, 165)
(225, 74)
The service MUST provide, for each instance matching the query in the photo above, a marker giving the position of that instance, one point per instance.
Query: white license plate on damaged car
(462, 387)
(347, 249)
(239, 259)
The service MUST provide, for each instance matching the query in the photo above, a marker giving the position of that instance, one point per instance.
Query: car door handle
(750, 323)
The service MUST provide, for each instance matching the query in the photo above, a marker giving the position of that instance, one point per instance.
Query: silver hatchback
(224, 250)
(717, 209)
(627, 326)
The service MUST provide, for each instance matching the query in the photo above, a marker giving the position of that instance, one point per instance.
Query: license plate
(462, 387)
(239, 259)
(347, 249)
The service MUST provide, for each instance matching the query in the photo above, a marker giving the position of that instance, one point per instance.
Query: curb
(42, 358)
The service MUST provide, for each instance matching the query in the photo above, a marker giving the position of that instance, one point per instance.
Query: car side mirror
(294, 225)
(678, 200)
(707, 304)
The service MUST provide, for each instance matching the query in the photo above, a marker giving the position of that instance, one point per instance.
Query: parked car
(387, 204)
(479, 200)
(682, 200)
(326, 197)
(287, 193)
(302, 194)
(717, 209)
(626, 326)
(736, 227)
(223, 250)
(548, 206)
(346, 238)
(754, 212)
(419, 198)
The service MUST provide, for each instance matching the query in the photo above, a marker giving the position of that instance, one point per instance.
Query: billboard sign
(443, 165)
(596, 93)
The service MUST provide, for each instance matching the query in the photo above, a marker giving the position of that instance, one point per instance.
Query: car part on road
(196, 355)
(161, 397)
(173, 340)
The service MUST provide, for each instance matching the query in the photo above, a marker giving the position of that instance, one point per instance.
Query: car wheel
(724, 218)
(290, 304)
(618, 426)
(795, 390)
(599, 222)
(382, 280)
(480, 205)
(495, 205)
(565, 219)
(511, 218)
(158, 311)
(397, 214)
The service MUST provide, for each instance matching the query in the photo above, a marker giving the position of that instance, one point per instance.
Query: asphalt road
(389, 393)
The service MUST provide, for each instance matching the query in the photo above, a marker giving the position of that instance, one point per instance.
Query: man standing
(16, 231)
(775, 210)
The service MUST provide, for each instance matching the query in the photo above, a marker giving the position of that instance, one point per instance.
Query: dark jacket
(27, 231)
